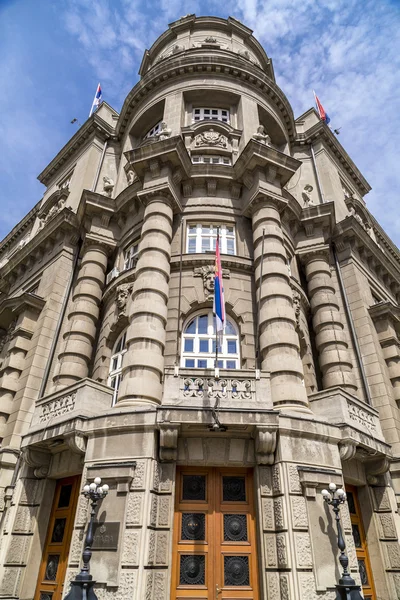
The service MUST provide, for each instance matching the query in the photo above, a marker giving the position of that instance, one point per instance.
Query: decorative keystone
(265, 444)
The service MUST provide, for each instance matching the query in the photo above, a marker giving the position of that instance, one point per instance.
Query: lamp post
(82, 586)
(346, 589)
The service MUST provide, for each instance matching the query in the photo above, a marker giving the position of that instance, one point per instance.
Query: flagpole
(91, 110)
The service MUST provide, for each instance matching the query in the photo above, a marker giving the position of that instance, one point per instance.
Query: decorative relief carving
(224, 389)
(210, 138)
(351, 551)
(273, 585)
(125, 590)
(156, 585)
(164, 510)
(361, 416)
(345, 517)
(306, 195)
(276, 480)
(18, 550)
(82, 510)
(140, 472)
(303, 550)
(134, 509)
(207, 272)
(176, 48)
(299, 512)
(130, 548)
(284, 581)
(10, 582)
(381, 497)
(57, 207)
(387, 526)
(268, 513)
(57, 407)
(281, 551)
(121, 298)
(131, 176)
(262, 136)
(158, 548)
(265, 478)
(308, 591)
(393, 554)
(270, 551)
(23, 519)
(76, 547)
(31, 491)
(279, 514)
(294, 479)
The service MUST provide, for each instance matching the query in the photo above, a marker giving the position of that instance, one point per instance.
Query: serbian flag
(323, 115)
(96, 100)
(219, 303)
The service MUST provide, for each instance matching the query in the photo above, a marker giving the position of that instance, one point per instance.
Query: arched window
(198, 344)
(114, 377)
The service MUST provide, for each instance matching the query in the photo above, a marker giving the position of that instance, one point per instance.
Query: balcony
(240, 388)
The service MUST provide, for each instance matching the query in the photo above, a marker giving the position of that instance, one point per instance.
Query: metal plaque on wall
(105, 536)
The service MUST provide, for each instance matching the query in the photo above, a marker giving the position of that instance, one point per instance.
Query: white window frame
(210, 113)
(208, 231)
(207, 159)
(208, 358)
(153, 131)
(115, 372)
(131, 256)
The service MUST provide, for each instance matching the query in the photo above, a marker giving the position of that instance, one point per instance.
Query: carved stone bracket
(168, 441)
(76, 442)
(375, 468)
(265, 444)
(347, 450)
(39, 460)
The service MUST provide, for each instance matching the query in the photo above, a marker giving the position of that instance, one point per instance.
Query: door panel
(360, 543)
(214, 555)
(55, 555)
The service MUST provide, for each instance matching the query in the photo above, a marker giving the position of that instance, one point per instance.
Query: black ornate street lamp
(347, 589)
(82, 586)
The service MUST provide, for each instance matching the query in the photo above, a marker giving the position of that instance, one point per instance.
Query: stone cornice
(256, 154)
(320, 131)
(219, 63)
(94, 126)
(230, 25)
(321, 215)
(65, 219)
(349, 229)
(238, 263)
(384, 310)
(93, 203)
(20, 228)
(171, 151)
(19, 303)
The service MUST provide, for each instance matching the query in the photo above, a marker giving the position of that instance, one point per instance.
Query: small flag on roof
(96, 100)
(323, 115)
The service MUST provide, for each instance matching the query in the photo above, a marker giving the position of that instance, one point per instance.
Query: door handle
(217, 591)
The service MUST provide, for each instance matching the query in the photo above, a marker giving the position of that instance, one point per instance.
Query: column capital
(160, 194)
(93, 242)
(265, 198)
(318, 253)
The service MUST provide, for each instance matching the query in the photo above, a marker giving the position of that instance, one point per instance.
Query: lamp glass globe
(332, 486)
(93, 486)
(340, 492)
(97, 480)
(106, 487)
(86, 488)
(325, 493)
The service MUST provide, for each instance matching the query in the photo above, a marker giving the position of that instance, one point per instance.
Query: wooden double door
(214, 545)
(55, 554)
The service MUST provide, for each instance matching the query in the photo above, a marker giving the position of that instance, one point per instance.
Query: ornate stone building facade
(107, 346)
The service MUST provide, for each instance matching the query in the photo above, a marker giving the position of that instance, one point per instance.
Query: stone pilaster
(79, 339)
(330, 338)
(143, 366)
(279, 342)
(386, 318)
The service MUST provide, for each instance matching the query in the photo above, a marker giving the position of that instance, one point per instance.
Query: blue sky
(53, 53)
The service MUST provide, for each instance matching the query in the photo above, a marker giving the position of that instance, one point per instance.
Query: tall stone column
(330, 339)
(143, 365)
(279, 342)
(80, 336)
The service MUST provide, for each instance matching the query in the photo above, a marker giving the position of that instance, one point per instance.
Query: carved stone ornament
(174, 50)
(164, 132)
(76, 442)
(168, 441)
(364, 224)
(39, 460)
(131, 176)
(262, 136)
(108, 185)
(375, 468)
(207, 272)
(306, 195)
(210, 40)
(7, 335)
(123, 292)
(210, 138)
(347, 450)
(53, 210)
(265, 445)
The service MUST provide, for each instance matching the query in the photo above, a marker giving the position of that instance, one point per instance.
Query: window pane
(203, 345)
(192, 245)
(229, 328)
(191, 328)
(188, 345)
(220, 364)
(202, 364)
(192, 228)
(189, 363)
(231, 364)
(230, 246)
(232, 347)
(202, 323)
